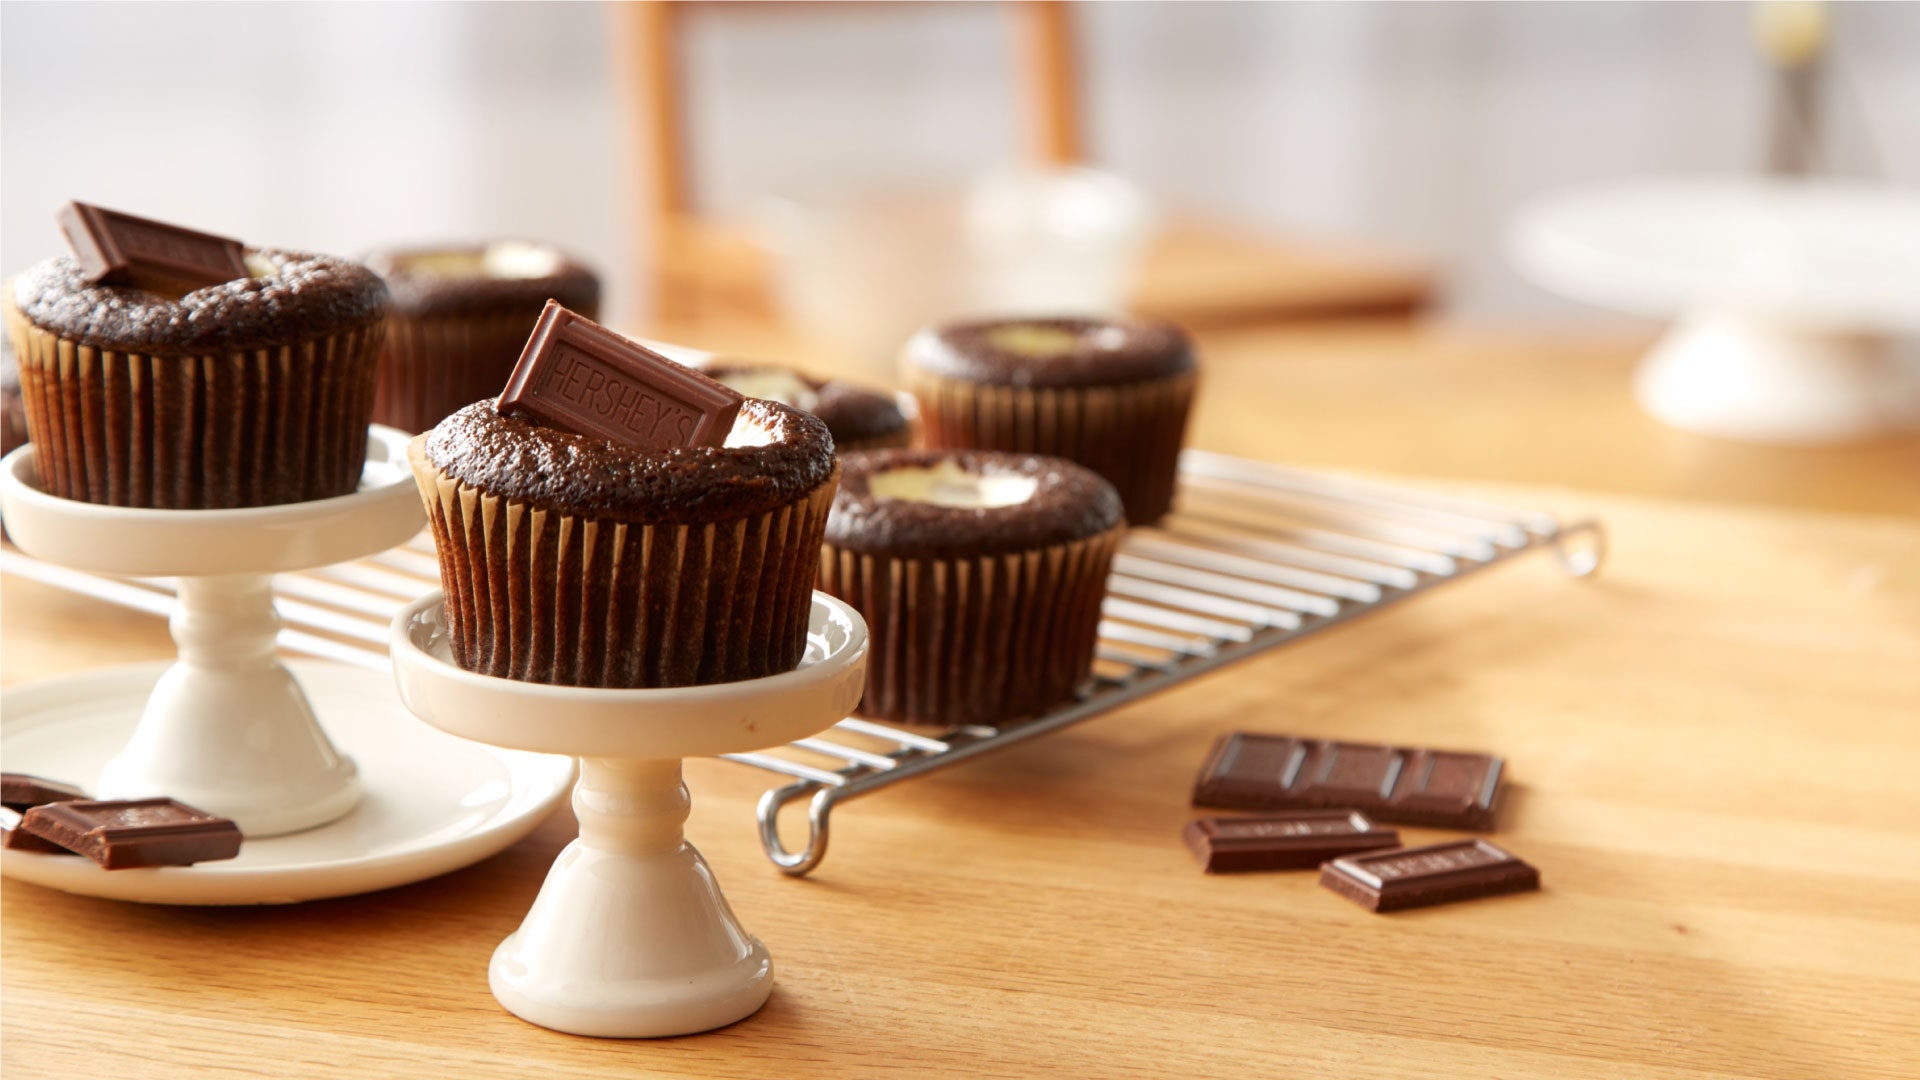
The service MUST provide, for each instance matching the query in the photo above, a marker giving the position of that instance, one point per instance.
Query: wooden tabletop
(1711, 748)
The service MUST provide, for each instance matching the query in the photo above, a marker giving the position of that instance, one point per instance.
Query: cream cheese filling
(748, 432)
(947, 484)
(1032, 339)
(507, 260)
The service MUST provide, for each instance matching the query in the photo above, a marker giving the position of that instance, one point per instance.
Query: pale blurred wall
(340, 126)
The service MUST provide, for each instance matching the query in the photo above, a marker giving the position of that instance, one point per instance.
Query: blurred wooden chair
(1196, 273)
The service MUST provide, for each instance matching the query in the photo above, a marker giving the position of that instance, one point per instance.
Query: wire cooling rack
(1255, 556)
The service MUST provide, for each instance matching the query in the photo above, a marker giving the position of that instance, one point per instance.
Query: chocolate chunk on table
(128, 833)
(18, 791)
(15, 838)
(582, 377)
(1409, 786)
(1296, 840)
(113, 248)
(1424, 876)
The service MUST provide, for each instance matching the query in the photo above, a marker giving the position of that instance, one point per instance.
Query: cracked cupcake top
(854, 413)
(961, 503)
(1052, 351)
(774, 455)
(467, 279)
(291, 296)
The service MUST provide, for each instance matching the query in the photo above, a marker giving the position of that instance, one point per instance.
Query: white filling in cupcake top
(517, 259)
(772, 384)
(947, 484)
(508, 259)
(1025, 339)
(257, 266)
(1039, 339)
(749, 432)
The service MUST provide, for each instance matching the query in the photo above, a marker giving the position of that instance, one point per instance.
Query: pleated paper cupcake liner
(434, 365)
(976, 640)
(1131, 434)
(550, 597)
(255, 427)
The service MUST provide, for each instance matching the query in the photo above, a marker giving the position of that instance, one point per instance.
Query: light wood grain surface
(1712, 749)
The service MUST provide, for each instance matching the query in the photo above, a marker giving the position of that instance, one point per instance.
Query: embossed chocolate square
(1295, 840)
(582, 377)
(123, 834)
(1423, 876)
(113, 248)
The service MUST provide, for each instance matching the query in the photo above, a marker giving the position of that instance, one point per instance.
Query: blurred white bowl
(864, 273)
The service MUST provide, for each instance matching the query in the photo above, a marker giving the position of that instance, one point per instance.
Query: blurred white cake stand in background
(630, 935)
(1785, 295)
(336, 786)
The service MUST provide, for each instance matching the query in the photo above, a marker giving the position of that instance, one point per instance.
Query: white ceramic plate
(433, 803)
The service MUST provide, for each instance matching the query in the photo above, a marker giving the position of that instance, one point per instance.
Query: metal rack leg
(792, 862)
(1587, 551)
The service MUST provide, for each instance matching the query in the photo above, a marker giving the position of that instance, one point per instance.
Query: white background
(341, 126)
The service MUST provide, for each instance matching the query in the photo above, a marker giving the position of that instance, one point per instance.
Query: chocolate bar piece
(578, 375)
(1390, 783)
(127, 833)
(18, 791)
(1424, 876)
(1297, 840)
(15, 838)
(113, 248)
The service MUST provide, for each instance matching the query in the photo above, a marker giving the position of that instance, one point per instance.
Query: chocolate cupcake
(860, 417)
(1112, 395)
(980, 576)
(251, 392)
(460, 316)
(574, 560)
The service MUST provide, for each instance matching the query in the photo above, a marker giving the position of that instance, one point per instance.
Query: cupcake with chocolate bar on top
(980, 576)
(620, 525)
(860, 417)
(460, 316)
(1111, 394)
(172, 369)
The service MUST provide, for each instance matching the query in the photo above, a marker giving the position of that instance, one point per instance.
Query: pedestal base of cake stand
(1740, 375)
(630, 935)
(227, 728)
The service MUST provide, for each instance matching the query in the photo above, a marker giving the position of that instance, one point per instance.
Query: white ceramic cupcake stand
(1790, 299)
(336, 787)
(630, 935)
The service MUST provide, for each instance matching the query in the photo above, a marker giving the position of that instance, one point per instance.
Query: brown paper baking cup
(254, 427)
(433, 365)
(550, 597)
(975, 640)
(1130, 433)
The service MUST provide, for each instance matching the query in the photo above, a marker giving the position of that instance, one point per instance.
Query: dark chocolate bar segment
(128, 833)
(1424, 876)
(113, 248)
(579, 376)
(18, 791)
(1396, 784)
(1296, 840)
(15, 838)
